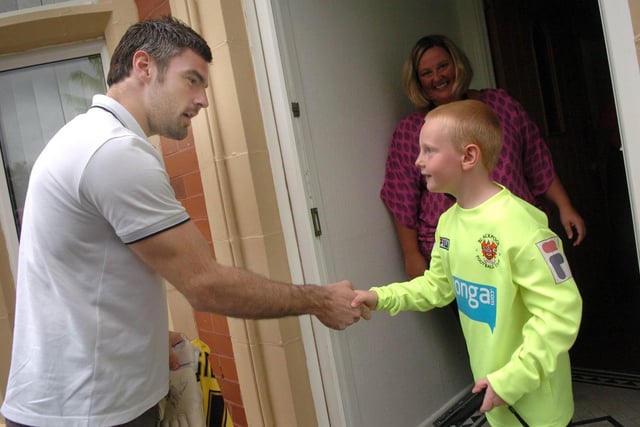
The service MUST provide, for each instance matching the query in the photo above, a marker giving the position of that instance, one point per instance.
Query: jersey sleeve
(401, 188)
(550, 294)
(126, 183)
(423, 293)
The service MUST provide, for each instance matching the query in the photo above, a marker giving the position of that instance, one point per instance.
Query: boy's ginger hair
(471, 122)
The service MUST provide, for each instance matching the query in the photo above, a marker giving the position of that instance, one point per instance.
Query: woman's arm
(569, 217)
(414, 263)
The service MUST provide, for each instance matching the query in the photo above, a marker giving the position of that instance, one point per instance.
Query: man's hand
(338, 312)
(174, 339)
(491, 399)
(183, 405)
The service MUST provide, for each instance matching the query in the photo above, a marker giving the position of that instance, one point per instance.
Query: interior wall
(342, 65)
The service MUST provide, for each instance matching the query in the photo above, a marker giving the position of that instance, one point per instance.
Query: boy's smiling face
(439, 160)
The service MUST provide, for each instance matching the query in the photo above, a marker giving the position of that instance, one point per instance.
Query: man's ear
(142, 65)
(470, 156)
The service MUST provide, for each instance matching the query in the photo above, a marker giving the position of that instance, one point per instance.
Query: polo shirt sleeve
(126, 183)
(550, 294)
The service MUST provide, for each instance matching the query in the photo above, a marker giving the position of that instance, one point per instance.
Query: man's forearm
(241, 293)
(182, 256)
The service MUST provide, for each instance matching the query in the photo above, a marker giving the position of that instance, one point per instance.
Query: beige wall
(245, 223)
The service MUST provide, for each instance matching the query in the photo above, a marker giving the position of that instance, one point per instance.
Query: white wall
(342, 63)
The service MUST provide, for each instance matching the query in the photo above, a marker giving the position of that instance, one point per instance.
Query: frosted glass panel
(35, 102)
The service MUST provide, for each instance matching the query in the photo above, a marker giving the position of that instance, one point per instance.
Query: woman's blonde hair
(411, 79)
(471, 122)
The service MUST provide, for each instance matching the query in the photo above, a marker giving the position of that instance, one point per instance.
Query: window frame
(26, 59)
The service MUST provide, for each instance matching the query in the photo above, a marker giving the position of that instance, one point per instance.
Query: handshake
(342, 305)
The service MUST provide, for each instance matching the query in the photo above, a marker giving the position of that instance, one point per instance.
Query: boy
(494, 253)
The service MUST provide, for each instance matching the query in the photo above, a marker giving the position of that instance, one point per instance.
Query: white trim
(57, 53)
(625, 78)
(290, 191)
(476, 42)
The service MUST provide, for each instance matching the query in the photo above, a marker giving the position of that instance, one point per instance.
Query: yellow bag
(215, 411)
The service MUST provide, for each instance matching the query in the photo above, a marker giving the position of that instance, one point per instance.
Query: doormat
(475, 420)
(604, 378)
(600, 421)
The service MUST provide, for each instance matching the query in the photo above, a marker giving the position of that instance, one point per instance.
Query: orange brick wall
(182, 166)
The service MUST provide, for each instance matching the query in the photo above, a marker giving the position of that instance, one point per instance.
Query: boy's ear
(470, 156)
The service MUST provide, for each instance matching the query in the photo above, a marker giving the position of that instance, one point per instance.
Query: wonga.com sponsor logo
(476, 301)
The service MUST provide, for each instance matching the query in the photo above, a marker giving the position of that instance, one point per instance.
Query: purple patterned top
(525, 167)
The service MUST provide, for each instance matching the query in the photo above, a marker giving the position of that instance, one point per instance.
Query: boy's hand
(368, 298)
(491, 399)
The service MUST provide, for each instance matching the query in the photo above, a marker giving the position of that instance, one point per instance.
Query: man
(101, 224)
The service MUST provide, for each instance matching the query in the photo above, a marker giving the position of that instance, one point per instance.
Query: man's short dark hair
(161, 38)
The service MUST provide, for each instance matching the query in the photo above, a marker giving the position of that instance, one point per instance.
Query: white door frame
(625, 79)
(303, 255)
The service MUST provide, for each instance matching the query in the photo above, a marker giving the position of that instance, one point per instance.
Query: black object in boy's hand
(461, 410)
(464, 408)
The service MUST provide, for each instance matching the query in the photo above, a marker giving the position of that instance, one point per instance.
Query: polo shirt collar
(121, 113)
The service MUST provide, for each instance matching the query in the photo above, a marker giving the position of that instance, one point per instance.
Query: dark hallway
(556, 65)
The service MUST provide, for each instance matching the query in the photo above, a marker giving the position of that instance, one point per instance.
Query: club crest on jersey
(487, 253)
(555, 259)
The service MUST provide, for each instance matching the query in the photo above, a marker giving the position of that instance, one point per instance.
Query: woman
(435, 73)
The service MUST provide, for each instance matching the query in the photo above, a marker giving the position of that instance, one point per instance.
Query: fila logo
(555, 259)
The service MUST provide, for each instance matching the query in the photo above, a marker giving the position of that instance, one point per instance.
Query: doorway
(551, 56)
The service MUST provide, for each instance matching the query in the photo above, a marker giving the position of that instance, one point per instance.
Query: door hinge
(295, 109)
(316, 222)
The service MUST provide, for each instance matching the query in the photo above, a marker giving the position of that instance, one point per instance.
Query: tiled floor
(613, 397)
(602, 399)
